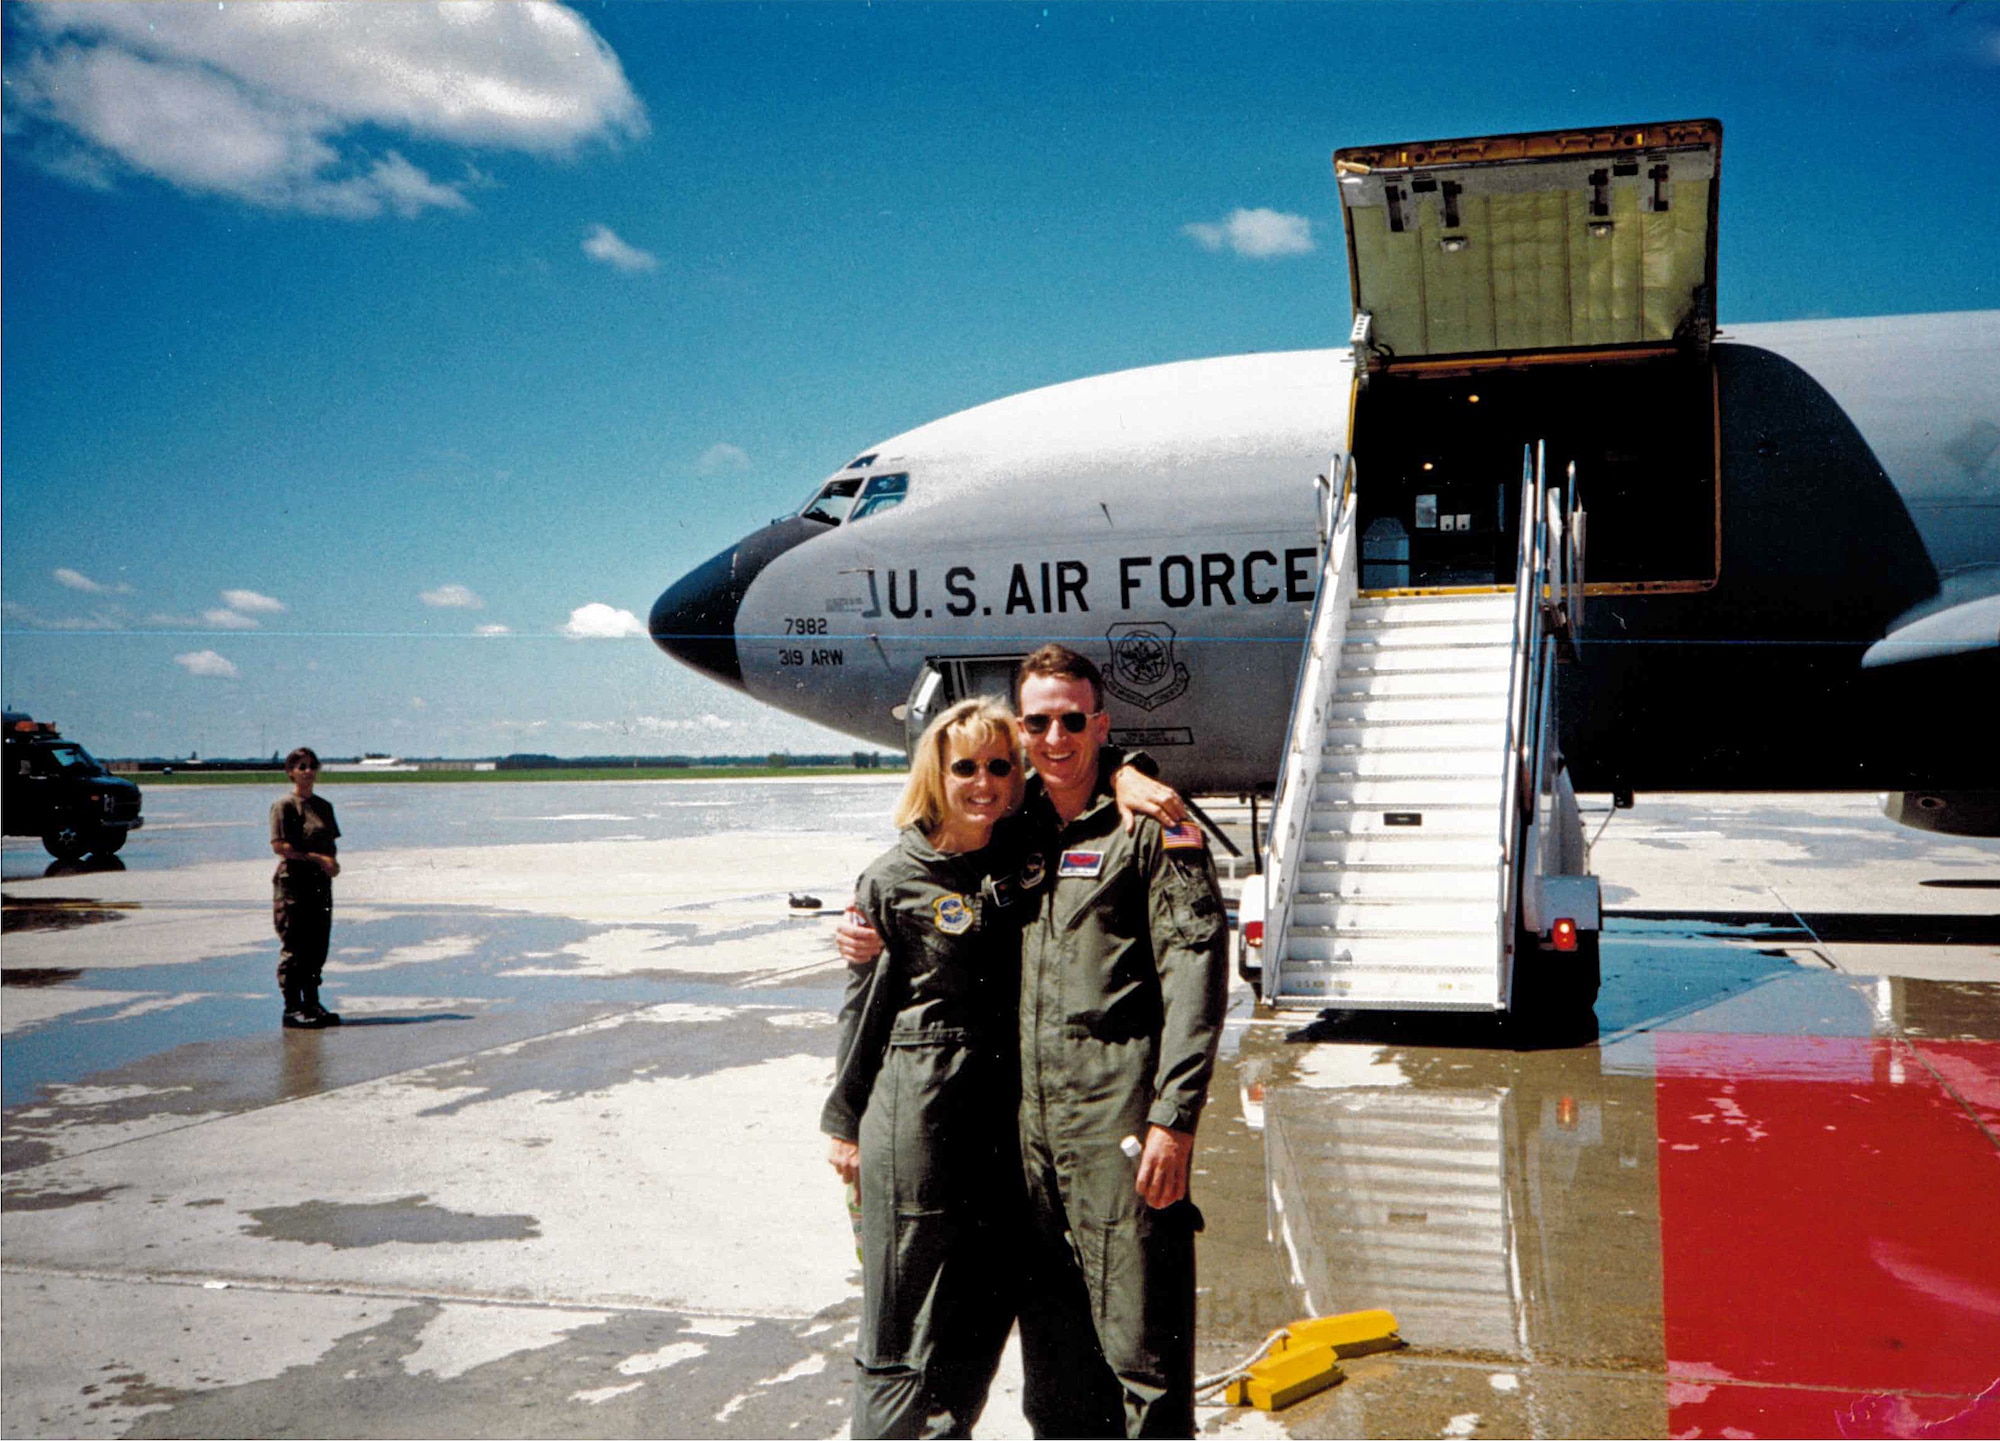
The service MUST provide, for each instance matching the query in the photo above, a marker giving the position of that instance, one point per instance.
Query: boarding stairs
(1420, 823)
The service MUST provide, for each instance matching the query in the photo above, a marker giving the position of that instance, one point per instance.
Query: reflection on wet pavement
(1770, 1185)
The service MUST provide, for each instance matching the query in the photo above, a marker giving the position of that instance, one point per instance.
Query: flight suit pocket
(1192, 902)
(1144, 1297)
(896, 1318)
(929, 1117)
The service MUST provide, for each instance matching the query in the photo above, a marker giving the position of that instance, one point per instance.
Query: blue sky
(369, 369)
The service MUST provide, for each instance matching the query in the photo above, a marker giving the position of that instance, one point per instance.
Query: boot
(314, 1009)
(297, 1017)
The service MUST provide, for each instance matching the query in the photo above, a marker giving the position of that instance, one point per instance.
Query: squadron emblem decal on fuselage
(1143, 671)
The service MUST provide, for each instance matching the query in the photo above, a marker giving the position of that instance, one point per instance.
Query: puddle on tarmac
(35, 977)
(410, 1219)
(58, 913)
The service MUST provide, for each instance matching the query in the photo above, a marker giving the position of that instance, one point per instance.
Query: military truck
(55, 789)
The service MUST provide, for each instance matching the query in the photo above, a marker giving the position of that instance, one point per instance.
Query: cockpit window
(862, 462)
(830, 506)
(851, 497)
(883, 492)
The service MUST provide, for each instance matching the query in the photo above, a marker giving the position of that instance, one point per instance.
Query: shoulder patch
(952, 914)
(1032, 871)
(1184, 837)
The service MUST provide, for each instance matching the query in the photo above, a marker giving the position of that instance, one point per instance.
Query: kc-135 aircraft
(1793, 556)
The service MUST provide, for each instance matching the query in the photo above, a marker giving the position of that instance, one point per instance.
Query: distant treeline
(527, 761)
(777, 760)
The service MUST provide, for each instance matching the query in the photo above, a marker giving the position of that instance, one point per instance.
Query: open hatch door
(1512, 245)
(1555, 289)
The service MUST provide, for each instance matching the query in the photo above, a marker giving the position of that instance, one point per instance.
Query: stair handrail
(1319, 666)
(1573, 558)
(1548, 607)
(1523, 709)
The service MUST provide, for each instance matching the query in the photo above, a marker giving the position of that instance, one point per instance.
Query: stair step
(1405, 609)
(1418, 735)
(1442, 684)
(1406, 793)
(1340, 822)
(1395, 849)
(1407, 885)
(1392, 915)
(1372, 660)
(1417, 709)
(1412, 763)
(1374, 635)
(1454, 972)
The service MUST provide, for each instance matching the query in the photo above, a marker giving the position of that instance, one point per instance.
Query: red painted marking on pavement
(1830, 1236)
(1970, 1070)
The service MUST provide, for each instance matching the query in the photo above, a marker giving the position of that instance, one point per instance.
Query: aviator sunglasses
(999, 768)
(1073, 721)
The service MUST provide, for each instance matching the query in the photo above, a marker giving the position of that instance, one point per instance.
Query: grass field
(196, 776)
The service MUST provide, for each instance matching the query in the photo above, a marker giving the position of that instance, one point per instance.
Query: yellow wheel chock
(1297, 1360)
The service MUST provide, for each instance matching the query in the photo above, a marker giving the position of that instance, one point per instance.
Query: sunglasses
(1073, 721)
(306, 766)
(999, 768)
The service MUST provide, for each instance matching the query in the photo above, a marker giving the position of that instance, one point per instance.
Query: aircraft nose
(694, 620)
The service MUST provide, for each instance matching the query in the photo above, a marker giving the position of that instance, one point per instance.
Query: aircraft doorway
(1437, 454)
(946, 680)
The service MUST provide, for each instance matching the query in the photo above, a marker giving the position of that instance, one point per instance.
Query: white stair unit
(1422, 810)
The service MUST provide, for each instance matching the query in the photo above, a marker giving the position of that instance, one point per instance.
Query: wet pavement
(559, 1174)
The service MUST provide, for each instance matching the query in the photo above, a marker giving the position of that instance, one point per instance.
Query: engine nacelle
(1953, 813)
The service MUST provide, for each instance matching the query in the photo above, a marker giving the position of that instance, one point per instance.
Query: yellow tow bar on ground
(1304, 1357)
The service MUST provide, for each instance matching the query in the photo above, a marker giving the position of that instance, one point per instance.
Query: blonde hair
(976, 722)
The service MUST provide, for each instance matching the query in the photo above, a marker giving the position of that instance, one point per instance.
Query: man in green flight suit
(1124, 975)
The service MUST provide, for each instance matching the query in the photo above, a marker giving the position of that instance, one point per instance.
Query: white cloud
(598, 621)
(17, 614)
(284, 105)
(227, 620)
(408, 191)
(205, 662)
(603, 244)
(251, 603)
(454, 596)
(709, 722)
(723, 457)
(77, 580)
(1256, 234)
(660, 725)
(493, 630)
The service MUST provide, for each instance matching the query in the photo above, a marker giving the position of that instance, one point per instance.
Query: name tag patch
(1184, 837)
(953, 915)
(1081, 863)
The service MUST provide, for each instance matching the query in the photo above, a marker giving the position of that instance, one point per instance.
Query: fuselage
(1829, 483)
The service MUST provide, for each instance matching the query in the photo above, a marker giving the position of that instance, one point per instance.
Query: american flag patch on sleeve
(1184, 837)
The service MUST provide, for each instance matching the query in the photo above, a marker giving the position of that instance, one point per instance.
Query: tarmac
(560, 1175)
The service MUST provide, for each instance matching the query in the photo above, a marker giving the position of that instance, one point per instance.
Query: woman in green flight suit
(922, 1110)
